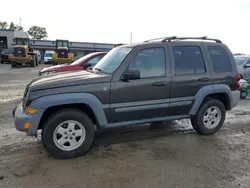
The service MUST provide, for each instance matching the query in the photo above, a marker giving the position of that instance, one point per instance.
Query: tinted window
(188, 60)
(150, 62)
(220, 59)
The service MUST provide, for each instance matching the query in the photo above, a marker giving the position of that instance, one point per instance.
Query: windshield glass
(239, 60)
(110, 62)
(81, 59)
(48, 55)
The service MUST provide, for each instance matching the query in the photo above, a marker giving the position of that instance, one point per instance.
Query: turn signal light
(26, 125)
(30, 110)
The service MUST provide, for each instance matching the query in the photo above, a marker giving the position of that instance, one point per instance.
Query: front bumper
(20, 117)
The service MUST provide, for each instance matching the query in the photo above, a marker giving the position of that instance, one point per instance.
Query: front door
(144, 98)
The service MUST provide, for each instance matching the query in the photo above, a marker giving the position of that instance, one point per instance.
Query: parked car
(80, 64)
(243, 64)
(139, 83)
(4, 55)
(48, 57)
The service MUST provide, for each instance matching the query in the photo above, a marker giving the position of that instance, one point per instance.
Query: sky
(112, 21)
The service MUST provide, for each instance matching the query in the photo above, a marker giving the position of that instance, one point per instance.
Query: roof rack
(168, 39)
(158, 38)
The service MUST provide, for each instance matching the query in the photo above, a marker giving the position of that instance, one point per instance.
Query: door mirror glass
(132, 75)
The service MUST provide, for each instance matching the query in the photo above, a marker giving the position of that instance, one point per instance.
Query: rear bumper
(20, 117)
(235, 98)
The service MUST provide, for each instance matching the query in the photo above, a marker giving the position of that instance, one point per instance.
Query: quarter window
(188, 60)
(150, 62)
(220, 59)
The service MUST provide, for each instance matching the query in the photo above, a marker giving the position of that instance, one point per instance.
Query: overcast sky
(111, 21)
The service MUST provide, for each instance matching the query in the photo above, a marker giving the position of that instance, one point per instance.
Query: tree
(37, 32)
(12, 26)
(3, 25)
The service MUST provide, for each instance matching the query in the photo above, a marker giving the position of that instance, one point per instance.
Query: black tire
(33, 63)
(59, 117)
(13, 64)
(197, 120)
(2, 62)
(54, 63)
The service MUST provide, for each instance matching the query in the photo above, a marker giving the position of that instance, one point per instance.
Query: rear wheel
(68, 133)
(210, 117)
(2, 62)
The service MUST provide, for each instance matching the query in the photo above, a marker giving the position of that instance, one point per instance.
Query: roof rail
(158, 38)
(168, 39)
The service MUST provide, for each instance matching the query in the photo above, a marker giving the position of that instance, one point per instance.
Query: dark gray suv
(157, 80)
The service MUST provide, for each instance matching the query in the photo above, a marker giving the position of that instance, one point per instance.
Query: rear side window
(188, 60)
(220, 59)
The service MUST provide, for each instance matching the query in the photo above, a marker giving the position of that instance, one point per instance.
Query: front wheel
(210, 117)
(68, 134)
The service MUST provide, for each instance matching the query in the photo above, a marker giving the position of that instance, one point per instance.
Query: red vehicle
(81, 64)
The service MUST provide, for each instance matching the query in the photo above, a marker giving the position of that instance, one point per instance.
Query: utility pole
(131, 37)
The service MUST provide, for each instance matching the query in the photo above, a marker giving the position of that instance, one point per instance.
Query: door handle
(159, 83)
(204, 79)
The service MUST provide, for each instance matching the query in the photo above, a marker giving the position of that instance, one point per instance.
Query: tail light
(237, 84)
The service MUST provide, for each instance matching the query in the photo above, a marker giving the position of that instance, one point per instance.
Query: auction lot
(144, 156)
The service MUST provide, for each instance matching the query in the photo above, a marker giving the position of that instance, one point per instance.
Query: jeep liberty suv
(163, 79)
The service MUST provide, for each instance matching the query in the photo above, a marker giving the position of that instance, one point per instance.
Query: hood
(48, 69)
(67, 79)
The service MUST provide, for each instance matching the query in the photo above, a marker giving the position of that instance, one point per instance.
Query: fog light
(30, 110)
(26, 125)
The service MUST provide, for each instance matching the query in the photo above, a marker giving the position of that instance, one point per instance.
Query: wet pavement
(170, 154)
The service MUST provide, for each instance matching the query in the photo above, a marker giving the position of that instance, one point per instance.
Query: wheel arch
(86, 102)
(221, 92)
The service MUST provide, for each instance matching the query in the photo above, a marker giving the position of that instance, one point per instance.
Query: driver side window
(93, 61)
(150, 62)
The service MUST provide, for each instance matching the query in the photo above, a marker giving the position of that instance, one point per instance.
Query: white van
(48, 56)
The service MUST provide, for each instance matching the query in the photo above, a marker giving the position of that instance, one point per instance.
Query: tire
(243, 93)
(2, 62)
(49, 136)
(197, 121)
(13, 64)
(54, 63)
(33, 63)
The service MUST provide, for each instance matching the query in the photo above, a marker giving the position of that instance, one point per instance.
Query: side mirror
(247, 66)
(132, 75)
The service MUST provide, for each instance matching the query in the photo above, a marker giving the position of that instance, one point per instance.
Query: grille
(19, 52)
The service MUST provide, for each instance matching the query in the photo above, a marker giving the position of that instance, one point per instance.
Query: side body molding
(72, 98)
(207, 90)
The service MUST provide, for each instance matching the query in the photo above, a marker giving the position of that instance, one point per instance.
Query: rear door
(190, 72)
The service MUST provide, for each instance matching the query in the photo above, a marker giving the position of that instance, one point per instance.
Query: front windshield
(81, 59)
(48, 55)
(110, 62)
(239, 60)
